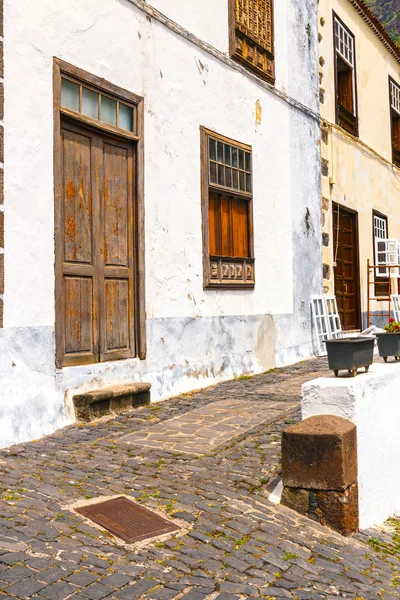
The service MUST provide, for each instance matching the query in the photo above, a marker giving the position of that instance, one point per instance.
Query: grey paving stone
(58, 591)
(52, 575)
(116, 580)
(96, 591)
(162, 594)
(17, 573)
(135, 591)
(194, 595)
(276, 592)
(237, 564)
(82, 578)
(26, 588)
(11, 558)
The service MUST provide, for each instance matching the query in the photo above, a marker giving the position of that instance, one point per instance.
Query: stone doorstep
(111, 400)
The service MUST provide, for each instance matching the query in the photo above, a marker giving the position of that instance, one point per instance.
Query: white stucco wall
(369, 401)
(184, 87)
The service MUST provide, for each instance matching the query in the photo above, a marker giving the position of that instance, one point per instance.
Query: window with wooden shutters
(252, 36)
(99, 215)
(345, 70)
(395, 120)
(227, 212)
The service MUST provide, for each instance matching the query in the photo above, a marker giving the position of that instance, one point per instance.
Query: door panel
(116, 203)
(346, 271)
(79, 316)
(116, 223)
(97, 242)
(77, 201)
(77, 340)
(117, 314)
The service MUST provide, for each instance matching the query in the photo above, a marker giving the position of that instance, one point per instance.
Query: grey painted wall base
(378, 318)
(183, 354)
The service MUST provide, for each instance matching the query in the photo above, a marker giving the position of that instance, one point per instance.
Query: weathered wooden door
(347, 280)
(95, 241)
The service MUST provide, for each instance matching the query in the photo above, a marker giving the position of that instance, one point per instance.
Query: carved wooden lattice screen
(252, 40)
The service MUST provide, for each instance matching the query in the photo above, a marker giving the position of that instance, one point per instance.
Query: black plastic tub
(350, 354)
(389, 345)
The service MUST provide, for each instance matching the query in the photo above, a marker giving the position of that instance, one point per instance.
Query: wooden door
(347, 280)
(94, 248)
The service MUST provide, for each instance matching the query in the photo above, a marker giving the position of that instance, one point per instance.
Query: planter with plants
(389, 342)
(350, 354)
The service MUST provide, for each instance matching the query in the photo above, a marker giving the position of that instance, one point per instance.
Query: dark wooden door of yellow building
(346, 272)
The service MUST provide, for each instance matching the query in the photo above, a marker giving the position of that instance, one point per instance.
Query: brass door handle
(345, 288)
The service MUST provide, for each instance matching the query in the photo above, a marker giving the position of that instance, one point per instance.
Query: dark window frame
(245, 48)
(223, 272)
(64, 69)
(344, 118)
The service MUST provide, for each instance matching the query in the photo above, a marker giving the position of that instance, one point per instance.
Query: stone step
(111, 400)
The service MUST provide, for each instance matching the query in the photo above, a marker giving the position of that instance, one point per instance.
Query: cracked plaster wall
(195, 337)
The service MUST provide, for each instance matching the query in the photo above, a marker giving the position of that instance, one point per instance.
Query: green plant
(392, 327)
(290, 556)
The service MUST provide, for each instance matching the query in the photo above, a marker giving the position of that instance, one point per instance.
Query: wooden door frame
(137, 138)
(357, 261)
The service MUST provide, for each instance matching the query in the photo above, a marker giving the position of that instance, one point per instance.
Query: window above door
(96, 102)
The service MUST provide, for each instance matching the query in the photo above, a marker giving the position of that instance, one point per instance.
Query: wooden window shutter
(228, 246)
(240, 229)
(252, 40)
(396, 132)
(345, 90)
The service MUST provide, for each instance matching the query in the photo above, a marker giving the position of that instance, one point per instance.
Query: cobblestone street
(233, 542)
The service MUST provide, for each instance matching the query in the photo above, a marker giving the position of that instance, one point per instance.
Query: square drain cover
(127, 520)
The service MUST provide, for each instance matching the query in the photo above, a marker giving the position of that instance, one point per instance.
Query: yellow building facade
(360, 148)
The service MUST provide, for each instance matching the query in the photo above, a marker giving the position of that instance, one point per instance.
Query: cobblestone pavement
(203, 429)
(234, 543)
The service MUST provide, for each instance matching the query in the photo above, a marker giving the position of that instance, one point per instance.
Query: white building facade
(162, 217)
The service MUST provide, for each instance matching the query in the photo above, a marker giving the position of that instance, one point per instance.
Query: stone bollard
(319, 471)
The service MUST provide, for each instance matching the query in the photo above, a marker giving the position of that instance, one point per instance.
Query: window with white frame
(345, 69)
(380, 227)
(380, 235)
(344, 42)
(395, 121)
(386, 252)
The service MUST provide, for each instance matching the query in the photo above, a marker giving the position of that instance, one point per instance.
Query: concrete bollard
(319, 471)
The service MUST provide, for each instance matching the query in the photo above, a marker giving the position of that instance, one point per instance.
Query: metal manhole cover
(127, 520)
